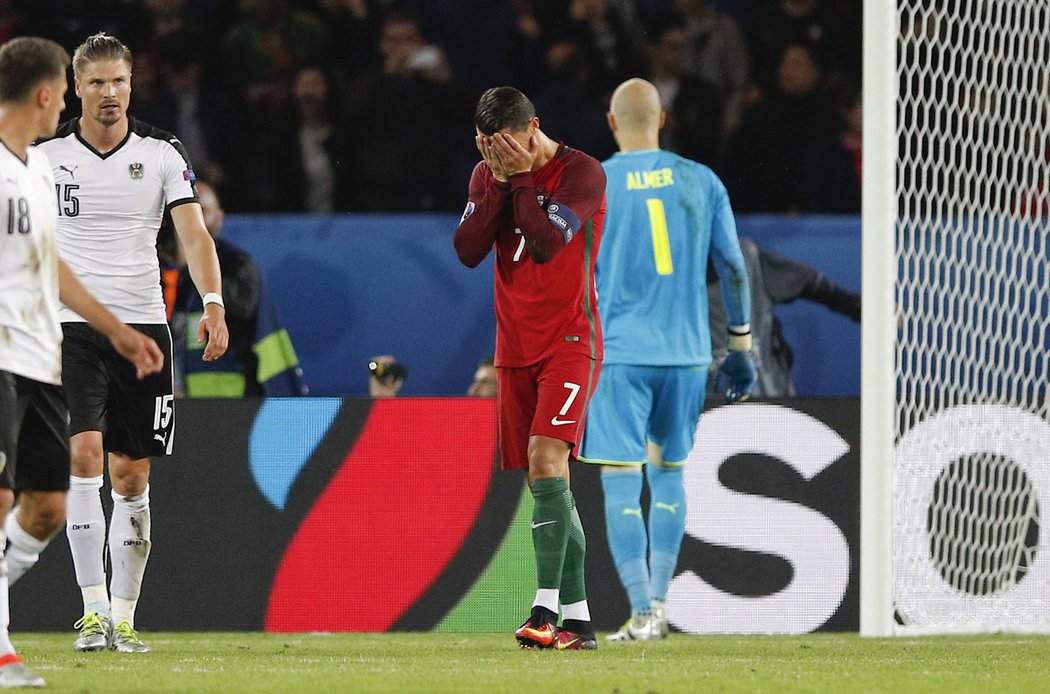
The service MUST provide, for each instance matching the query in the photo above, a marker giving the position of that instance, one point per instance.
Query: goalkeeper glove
(736, 375)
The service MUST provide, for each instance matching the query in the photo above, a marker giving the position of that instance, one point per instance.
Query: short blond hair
(100, 46)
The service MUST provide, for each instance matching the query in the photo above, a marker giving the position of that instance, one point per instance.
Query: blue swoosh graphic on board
(284, 435)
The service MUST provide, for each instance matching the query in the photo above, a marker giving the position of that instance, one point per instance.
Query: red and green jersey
(546, 227)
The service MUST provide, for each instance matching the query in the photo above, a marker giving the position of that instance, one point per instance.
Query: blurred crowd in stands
(366, 105)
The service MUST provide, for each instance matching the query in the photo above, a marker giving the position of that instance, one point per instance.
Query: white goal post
(955, 375)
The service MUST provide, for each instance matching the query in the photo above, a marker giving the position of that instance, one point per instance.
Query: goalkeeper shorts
(635, 405)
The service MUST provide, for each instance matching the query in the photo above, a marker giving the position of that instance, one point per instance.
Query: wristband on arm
(213, 298)
(740, 337)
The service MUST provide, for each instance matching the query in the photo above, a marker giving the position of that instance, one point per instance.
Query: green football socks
(551, 521)
(573, 586)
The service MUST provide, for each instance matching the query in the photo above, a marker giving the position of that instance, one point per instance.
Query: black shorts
(34, 435)
(136, 418)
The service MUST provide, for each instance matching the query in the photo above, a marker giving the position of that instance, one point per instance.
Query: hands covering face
(505, 155)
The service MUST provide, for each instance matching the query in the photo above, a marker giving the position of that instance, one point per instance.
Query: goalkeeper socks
(23, 550)
(86, 530)
(129, 546)
(625, 528)
(551, 518)
(666, 525)
(573, 583)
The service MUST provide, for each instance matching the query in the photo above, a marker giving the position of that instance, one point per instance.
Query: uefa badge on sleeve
(467, 212)
(136, 171)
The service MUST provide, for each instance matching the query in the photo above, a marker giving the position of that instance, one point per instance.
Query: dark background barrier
(351, 287)
(353, 515)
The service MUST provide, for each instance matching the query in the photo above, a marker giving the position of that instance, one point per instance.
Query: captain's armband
(564, 219)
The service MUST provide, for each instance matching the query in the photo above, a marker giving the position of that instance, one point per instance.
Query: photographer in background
(261, 361)
(385, 376)
(774, 279)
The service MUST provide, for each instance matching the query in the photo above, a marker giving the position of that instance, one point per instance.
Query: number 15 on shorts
(163, 411)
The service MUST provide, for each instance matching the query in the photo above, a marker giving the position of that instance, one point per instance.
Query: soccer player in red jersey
(541, 204)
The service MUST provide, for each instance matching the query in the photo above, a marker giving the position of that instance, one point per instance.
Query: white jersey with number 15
(110, 208)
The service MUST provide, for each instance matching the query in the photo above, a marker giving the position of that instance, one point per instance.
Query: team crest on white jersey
(136, 170)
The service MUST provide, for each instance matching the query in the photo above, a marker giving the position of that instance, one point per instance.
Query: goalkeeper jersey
(666, 215)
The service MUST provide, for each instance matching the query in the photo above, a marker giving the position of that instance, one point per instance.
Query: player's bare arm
(204, 269)
(137, 348)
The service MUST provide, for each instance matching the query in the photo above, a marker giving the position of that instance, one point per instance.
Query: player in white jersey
(34, 444)
(115, 178)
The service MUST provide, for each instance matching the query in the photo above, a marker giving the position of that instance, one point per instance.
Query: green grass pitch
(434, 663)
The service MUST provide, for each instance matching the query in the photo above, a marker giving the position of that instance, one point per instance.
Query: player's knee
(548, 458)
(48, 522)
(42, 514)
(665, 472)
(130, 477)
(86, 456)
(131, 485)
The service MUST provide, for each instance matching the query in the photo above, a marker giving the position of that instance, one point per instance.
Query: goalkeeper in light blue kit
(666, 215)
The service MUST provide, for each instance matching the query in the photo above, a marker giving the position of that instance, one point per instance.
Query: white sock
(576, 610)
(23, 551)
(124, 611)
(129, 546)
(96, 599)
(6, 647)
(547, 597)
(86, 530)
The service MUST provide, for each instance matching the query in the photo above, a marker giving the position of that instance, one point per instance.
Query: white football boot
(637, 628)
(126, 639)
(96, 631)
(661, 627)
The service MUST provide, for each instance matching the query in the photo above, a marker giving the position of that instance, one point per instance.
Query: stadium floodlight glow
(955, 456)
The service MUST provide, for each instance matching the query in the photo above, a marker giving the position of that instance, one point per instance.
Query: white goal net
(971, 454)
